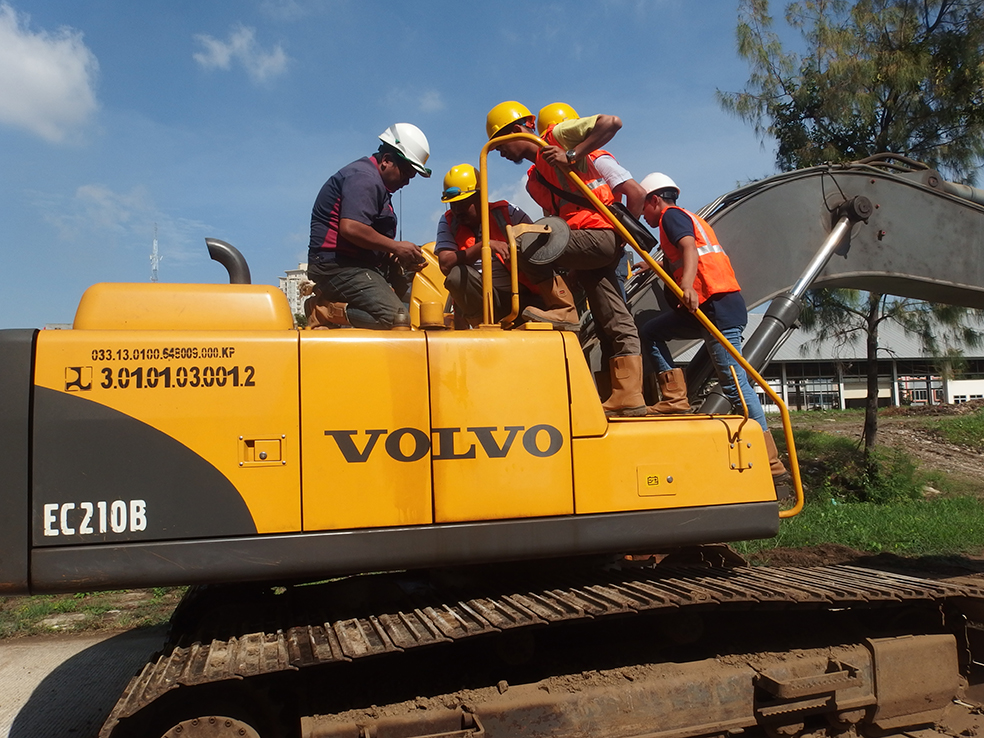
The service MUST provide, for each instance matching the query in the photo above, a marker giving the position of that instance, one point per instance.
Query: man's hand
(691, 300)
(407, 253)
(501, 248)
(556, 156)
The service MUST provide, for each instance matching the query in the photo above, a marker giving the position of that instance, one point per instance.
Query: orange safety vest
(498, 218)
(577, 216)
(714, 273)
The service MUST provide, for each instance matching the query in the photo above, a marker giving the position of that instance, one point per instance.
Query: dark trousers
(372, 303)
(464, 283)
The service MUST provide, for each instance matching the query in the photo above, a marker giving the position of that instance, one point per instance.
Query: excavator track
(222, 635)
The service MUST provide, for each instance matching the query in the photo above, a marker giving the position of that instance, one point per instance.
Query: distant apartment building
(290, 285)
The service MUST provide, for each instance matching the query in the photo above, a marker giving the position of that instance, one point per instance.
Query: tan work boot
(323, 314)
(673, 390)
(626, 398)
(560, 312)
(782, 480)
(775, 463)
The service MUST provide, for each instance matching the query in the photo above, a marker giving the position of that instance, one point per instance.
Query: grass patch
(834, 467)
(943, 526)
(964, 430)
(885, 503)
(114, 610)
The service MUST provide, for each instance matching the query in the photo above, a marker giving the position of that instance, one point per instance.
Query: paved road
(65, 686)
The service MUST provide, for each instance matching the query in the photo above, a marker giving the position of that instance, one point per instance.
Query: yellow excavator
(422, 532)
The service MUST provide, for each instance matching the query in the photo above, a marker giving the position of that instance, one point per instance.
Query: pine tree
(899, 76)
(904, 76)
(843, 316)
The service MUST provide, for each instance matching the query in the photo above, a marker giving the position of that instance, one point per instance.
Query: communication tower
(155, 258)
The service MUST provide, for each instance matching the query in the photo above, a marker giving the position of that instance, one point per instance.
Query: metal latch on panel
(739, 453)
(268, 451)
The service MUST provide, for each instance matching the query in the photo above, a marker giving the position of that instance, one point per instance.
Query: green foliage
(834, 468)
(966, 430)
(115, 610)
(879, 505)
(902, 76)
(844, 316)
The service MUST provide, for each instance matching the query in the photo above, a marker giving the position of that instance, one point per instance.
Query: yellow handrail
(487, 312)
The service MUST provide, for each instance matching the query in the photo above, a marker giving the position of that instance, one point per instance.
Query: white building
(809, 376)
(290, 285)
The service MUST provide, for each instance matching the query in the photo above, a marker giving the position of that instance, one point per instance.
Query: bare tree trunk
(871, 406)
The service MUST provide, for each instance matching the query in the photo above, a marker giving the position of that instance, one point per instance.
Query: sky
(119, 119)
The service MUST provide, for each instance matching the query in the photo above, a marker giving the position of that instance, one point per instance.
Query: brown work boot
(673, 390)
(626, 399)
(782, 480)
(775, 463)
(560, 310)
(324, 314)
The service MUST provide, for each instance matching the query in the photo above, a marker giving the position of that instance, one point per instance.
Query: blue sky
(223, 119)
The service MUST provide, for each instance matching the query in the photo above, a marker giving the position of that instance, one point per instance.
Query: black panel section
(16, 380)
(334, 553)
(121, 473)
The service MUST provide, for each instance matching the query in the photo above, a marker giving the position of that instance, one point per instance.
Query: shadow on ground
(77, 695)
(833, 553)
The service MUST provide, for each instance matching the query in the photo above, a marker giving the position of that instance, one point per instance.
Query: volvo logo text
(412, 444)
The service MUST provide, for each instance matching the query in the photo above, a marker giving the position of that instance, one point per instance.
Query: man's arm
(635, 196)
(365, 237)
(581, 142)
(688, 253)
(448, 260)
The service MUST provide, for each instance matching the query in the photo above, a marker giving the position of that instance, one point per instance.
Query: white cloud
(423, 101)
(95, 214)
(515, 192)
(242, 48)
(46, 79)
(431, 102)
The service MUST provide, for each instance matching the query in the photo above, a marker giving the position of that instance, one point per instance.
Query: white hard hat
(657, 182)
(411, 143)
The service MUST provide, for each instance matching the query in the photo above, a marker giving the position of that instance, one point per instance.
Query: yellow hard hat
(552, 114)
(460, 182)
(505, 114)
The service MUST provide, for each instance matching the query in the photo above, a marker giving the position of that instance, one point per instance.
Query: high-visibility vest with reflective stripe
(714, 273)
(498, 219)
(577, 217)
(543, 193)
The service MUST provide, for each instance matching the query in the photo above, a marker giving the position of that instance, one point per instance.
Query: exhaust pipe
(229, 257)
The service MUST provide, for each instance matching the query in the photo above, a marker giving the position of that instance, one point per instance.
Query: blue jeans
(372, 303)
(680, 324)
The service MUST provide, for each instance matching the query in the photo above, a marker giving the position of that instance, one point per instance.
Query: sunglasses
(455, 192)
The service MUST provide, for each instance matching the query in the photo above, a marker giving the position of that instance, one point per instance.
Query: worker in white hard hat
(594, 248)
(354, 259)
(459, 247)
(698, 264)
